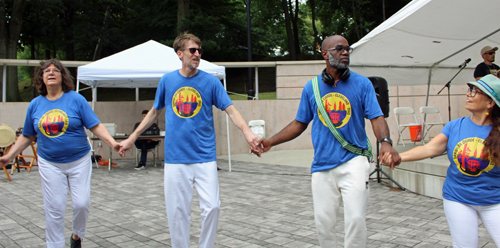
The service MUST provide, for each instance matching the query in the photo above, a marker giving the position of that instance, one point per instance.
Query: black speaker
(382, 92)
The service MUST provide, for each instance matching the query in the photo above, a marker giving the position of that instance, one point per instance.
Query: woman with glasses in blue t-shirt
(57, 119)
(472, 184)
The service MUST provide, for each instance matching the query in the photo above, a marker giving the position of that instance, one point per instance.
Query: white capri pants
(463, 222)
(56, 177)
(179, 180)
(347, 182)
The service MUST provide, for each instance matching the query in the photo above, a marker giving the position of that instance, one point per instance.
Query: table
(117, 138)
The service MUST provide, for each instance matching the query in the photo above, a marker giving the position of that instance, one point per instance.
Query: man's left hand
(387, 151)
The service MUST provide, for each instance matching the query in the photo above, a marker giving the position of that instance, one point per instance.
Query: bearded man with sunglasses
(188, 95)
(486, 67)
(339, 173)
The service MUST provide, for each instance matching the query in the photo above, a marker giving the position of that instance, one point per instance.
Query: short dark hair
(181, 40)
(67, 79)
(145, 112)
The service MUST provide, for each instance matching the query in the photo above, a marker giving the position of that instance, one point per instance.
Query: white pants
(56, 177)
(348, 183)
(463, 222)
(179, 181)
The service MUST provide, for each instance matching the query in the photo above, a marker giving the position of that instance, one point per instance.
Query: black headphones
(328, 79)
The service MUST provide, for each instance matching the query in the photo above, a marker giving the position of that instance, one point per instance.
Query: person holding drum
(58, 118)
(472, 184)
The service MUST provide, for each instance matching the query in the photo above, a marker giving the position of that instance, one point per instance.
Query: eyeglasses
(341, 49)
(52, 70)
(473, 91)
(192, 50)
(490, 53)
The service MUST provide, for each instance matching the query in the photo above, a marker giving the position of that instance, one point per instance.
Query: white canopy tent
(426, 41)
(140, 66)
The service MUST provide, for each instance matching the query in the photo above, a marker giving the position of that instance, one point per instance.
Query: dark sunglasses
(490, 53)
(193, 50)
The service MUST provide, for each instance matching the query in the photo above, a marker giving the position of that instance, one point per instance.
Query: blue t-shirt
(59, 126)
(347, 105)
(471, 178)
(189, 122)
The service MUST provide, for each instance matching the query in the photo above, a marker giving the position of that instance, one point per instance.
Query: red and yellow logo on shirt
(53, 123)
(337, 107)
(186, 102)
(471, 158)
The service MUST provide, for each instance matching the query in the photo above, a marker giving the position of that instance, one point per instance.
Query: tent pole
(94, 96)
(77, 85)
(136, 94)
(429, 84)
(256, 83)
(228, 138)
(4, 83)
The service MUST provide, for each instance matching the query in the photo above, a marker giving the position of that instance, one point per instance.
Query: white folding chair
(258, 127)
(401, 126)
(424, 113)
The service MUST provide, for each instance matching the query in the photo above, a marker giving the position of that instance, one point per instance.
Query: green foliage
(88, 29)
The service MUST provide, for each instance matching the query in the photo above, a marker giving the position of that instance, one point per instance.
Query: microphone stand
(447, 85)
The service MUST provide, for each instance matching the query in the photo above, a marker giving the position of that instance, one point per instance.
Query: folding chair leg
(154, 157)
(6, 173)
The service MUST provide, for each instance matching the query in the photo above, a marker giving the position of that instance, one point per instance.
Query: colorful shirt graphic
(189, 124)
(338, 108)
(471, 158)
(53, 123)
(186, 102)
(471, 177)
(347, 105)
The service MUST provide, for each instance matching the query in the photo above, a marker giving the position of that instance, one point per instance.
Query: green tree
(11, 20)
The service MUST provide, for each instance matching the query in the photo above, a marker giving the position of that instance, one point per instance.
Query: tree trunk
(182, 12)
(98, 47)
(289, 32)
(295, 21)
(356, 26)
(69, 36)
(316, 39)
(10, 30)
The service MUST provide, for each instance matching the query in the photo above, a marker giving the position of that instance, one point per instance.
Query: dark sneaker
(140, 167)
(75, 243)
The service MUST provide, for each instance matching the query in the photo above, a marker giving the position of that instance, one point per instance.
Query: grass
(262, 96)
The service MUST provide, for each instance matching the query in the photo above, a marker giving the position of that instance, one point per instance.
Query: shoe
(75, 243)
(140, 167)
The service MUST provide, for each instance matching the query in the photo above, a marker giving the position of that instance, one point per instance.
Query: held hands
(116, 146)
(253, 142)
(263, 146)
(389, 157)
(124, 146)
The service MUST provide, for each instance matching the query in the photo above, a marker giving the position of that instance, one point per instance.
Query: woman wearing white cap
(472, 185)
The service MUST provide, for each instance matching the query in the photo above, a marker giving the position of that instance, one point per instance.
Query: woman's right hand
(4, 160)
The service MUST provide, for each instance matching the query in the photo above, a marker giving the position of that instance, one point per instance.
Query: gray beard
(336, 63)
(189, 65)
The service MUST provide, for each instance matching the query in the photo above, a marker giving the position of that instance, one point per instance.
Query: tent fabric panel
(425, 32)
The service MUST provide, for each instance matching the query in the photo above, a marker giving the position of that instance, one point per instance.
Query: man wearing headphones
(339, 174)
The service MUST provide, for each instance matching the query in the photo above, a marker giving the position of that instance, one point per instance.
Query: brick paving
(262, 206)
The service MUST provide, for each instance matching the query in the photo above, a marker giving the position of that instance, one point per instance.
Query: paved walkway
(263, 205)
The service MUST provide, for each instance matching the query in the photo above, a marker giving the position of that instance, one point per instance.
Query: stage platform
(425, 177)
